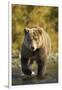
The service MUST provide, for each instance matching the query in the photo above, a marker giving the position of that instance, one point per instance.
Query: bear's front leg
(25, 67)
(41, 67)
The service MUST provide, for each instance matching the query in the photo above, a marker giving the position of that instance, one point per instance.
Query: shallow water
(51, 75)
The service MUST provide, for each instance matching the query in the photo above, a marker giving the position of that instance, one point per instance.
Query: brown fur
(36, 46)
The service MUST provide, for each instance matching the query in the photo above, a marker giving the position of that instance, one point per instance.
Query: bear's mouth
(36, 51)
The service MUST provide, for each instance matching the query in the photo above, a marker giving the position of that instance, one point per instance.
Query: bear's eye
(35, 38)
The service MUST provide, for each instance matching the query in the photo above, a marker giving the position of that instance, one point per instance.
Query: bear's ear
(26, 30)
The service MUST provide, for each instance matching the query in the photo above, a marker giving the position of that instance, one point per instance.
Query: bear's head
(33, 38)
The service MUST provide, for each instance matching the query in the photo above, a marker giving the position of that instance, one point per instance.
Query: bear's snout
(32, 47)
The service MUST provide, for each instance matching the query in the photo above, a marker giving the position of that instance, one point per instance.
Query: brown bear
(36, 46)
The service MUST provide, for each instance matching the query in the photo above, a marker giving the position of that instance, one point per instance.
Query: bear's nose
(32, 48)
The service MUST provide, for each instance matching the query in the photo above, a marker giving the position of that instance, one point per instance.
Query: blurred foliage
(27, 15)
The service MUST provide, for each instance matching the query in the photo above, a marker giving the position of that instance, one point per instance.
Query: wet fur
(39, 54)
